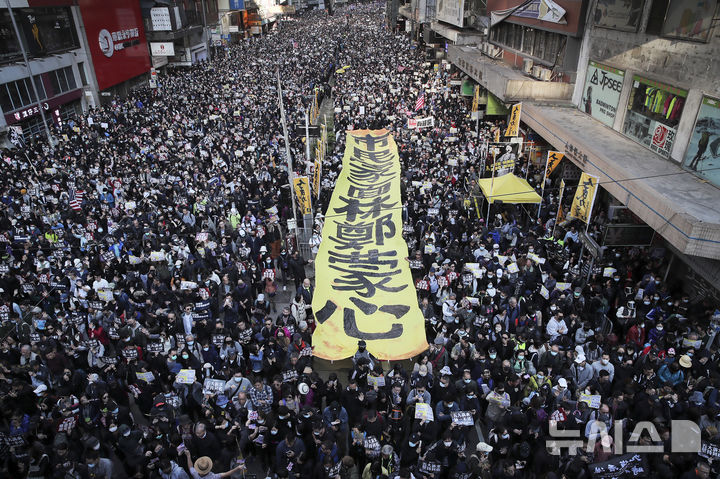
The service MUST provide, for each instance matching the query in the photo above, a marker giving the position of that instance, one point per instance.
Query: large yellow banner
(364, 289)
(584, 198)
(302, 193)
(513, 128)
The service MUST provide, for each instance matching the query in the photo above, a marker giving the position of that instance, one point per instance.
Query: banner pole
(289, 160)
(544, 179)
(492, 185)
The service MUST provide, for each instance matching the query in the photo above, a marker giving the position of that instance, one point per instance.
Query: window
(20, 93)
(684, 19)
(62, 80)
(528, 39)
(43, 31)
(81, 69)
(654, 110)
(540, 44)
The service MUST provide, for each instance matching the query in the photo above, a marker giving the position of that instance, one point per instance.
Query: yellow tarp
(364, 289)
(508, 189)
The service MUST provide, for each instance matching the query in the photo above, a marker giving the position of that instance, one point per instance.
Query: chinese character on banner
(584, 197)
(513, 127)
(553, 160)
(302, 192)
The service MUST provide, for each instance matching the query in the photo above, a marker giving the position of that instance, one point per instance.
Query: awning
(508, 189)
(674, 202)
(495, 106)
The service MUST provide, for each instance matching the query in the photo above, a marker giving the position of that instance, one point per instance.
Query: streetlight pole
(32, 79)
(287, 156)
(307, 141)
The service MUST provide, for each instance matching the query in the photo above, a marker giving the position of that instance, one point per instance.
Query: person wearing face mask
(656, 333)
(236, 385)
(603, 364)
(362, 352)
(445, 451)
(581, 374)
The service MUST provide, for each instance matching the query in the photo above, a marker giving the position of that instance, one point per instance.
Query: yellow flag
(497, 135)
(316, 178)
(513, 127)
(476, 99)
(302, 193)
(364, 288)
(553, 160)
(584, 198)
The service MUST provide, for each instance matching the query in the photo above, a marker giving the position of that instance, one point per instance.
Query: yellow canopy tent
(508, 189)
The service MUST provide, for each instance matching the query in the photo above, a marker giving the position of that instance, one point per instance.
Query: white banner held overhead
(428, 122)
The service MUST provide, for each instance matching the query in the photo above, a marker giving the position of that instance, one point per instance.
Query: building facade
(628, 91)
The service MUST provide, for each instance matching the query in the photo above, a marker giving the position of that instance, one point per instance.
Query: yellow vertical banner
(513, 128)
(476, 99)
(497, 135)
(302, 193)
(316, 178)
(364, 289)
(584, 198)
(553, 160)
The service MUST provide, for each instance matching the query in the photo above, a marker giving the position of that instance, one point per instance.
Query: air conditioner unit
(527, 66)
(545, 74)
(536, 71)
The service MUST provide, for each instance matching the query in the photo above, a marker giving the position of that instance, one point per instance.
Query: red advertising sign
(116, 38)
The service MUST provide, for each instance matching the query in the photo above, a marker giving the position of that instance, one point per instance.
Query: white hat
(263, 249)
(483, 447)
(40, 389)
(562, 382)
(446, 370)
(580, 359)
(261, 297)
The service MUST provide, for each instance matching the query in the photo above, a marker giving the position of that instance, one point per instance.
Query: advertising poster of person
(689, 19)
(619, 14)
(703, 152)
(601, 94)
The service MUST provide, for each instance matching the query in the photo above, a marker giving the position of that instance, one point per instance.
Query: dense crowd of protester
(143, 258)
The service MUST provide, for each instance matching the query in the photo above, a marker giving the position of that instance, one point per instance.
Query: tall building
(60, 57)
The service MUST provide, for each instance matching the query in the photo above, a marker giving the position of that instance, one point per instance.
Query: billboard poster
(162, 49)
(601, 94)
(451, 11)
(160, 19)
(619, 14)
(545, 10)
(689, 19)
(116, 39)
(703, 151)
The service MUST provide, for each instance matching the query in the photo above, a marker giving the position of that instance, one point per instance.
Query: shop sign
(30, 111)
(601, 94)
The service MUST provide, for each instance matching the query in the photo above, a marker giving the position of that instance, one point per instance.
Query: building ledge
(456, 35)
(674, 202)
(405, 11)
(504, 82)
